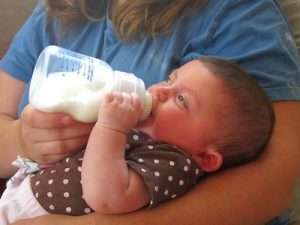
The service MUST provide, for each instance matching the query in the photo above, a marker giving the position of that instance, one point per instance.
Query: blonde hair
(132, 20)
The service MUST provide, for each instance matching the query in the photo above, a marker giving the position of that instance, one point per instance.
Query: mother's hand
(50, 137)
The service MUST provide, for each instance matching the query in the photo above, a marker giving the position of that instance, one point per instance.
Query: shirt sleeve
(256, 35)
(167, 171)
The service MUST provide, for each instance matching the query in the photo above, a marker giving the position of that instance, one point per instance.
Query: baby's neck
(146, 130)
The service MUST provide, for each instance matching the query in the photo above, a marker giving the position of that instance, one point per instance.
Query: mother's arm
(255, 192)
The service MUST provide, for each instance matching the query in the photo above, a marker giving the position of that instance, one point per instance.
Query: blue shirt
(254, 33)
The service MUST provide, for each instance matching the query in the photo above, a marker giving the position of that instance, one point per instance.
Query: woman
(150, 38)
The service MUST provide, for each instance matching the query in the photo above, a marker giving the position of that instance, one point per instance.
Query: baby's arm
(109, 186)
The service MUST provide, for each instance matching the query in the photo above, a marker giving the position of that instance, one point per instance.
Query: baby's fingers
(107, 98)
(136, 102)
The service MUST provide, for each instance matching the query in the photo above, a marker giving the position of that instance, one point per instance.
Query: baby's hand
(119, 111)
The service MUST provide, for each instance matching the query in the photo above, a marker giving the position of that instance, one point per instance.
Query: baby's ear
(209, 160)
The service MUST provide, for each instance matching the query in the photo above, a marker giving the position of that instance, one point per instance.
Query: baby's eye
(182, 100)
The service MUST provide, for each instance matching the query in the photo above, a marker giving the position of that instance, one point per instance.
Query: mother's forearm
(9, 145)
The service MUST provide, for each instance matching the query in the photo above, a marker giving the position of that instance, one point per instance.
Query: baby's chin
(146, 126)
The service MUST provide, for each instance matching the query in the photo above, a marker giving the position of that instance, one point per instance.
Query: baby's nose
(163, 93)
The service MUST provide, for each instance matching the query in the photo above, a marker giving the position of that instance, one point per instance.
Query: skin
(189, 97)
(124, 189)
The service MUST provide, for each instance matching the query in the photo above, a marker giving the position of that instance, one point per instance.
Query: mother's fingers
(38, 119)
(54, 151)
(51, 134)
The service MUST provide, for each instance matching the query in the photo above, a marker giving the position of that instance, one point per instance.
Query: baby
(208, 115)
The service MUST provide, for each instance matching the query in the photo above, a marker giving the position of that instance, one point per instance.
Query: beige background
(13, 13)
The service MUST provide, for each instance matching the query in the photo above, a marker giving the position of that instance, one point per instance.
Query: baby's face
(185, 108)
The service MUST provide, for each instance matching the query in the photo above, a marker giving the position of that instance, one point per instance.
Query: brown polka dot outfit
(167, 171)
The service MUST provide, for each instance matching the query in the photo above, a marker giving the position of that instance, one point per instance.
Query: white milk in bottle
(66, 81)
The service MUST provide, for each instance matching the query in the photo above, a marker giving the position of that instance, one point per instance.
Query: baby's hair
(248, 121)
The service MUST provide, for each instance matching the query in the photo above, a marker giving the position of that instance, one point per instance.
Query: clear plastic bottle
(66, 81)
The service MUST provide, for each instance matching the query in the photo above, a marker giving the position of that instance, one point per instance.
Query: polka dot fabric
(167, 171)
(58, 188)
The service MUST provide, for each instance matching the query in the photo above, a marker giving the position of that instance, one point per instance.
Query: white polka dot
(37, 183)
(188, 161)
(37, 195)
(51, 207)
(143, 170)
(170, 178)
(66, 194)
(173, 196)
(151, 202)
(156, 174)
(68, 209)
(42, 171)
(65, 181)
(156, 188)
(150, 147)
(52, 171)
(156, 161)
(49, 194)
(87, 210)
(135, 137)
(166, 192)
(186, 168)
(181, 182)
(80, 159)
(79, 168)
(171, 163)
(50, 181)
(197, 171)
(67, 169)
(67, 159)
(140, 160)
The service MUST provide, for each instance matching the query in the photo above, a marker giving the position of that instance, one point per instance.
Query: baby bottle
(66, 81)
